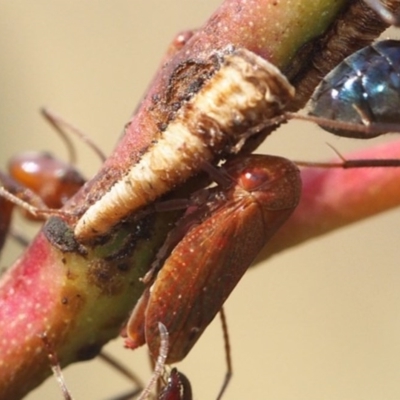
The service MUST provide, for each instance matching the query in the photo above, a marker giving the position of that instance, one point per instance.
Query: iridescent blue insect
(363, 90)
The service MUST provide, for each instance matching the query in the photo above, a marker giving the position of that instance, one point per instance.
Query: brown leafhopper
(223, 237)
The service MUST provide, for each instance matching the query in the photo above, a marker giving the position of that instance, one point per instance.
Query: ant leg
(348, 164)
(19, 237)
(31, 209)
(115, 364)
(370, 130)
(110, 360)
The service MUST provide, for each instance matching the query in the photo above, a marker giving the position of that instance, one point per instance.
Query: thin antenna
(160, 363)
(55, 366)
(58, 123)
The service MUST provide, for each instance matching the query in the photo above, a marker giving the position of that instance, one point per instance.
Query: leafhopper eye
(254, 180)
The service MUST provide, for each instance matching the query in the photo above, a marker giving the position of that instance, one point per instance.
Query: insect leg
(356, 163)
(229, 370)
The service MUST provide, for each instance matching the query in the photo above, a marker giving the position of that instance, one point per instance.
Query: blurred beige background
(319, 322)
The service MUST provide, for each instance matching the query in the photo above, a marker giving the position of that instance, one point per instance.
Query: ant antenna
(55, 366)
(160, 363)
(31, 209)
(58, 123)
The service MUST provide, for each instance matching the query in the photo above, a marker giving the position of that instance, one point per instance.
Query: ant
(38, 182)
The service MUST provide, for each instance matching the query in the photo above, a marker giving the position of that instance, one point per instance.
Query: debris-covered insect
(227, 109)
(242, 94)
